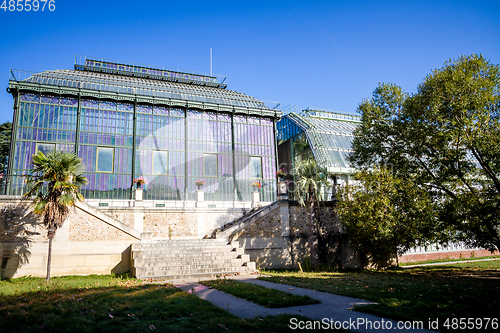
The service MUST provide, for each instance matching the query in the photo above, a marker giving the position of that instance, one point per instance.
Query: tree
(385, 216)
(5, 134)
(446, 139)
(310, 178)
(53, 185)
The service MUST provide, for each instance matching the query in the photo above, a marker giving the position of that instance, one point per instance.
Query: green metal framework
(329, 135)
(120, 110)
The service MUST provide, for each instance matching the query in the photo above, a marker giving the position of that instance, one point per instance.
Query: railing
(136, 69)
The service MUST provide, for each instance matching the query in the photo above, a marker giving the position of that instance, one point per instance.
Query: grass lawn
(270, 298)
(465, 290)
(116, 304)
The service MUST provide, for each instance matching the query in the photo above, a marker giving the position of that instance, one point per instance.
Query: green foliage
(385, 215)
(310, 178)
(445, 139)
(54, 185)
(5, 134)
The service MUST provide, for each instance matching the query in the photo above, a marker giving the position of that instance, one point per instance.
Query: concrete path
(334, 311)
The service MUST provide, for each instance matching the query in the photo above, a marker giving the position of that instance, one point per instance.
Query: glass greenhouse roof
(329, 134)
(138, 86)
(146, 71)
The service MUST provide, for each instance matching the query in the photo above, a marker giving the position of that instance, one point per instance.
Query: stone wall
(280, 238)
(86, 244)
(175, 223)
(83, 245)
(268, 226)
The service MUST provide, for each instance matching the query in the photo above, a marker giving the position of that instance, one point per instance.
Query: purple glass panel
(225, 165)
(125, 107)
(224, 117)
(89, 103)
(65, 148)
(160, 110)
(107, 105)
(30, 97)
(194, 114)
(209, 115)
(253, 120)
(177, 112)
(144, 108)
(68, 101)
(240, 119)
(266, 122)
(49, 99)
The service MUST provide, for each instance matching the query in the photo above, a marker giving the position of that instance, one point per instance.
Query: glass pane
(255, 167)
(160, 162)
(105, 159)
(45, 147)
(210, 165)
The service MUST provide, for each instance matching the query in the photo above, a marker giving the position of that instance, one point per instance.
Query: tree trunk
(49, 257)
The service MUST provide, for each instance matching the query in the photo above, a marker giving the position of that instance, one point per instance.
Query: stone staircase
(190, 258)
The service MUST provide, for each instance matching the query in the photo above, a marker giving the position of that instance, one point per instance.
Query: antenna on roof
(210, 61)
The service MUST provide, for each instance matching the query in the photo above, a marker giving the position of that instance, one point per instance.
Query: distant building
(127, 120)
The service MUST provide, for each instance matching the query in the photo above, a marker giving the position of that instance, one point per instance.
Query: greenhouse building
(323, 135)
(126, 120)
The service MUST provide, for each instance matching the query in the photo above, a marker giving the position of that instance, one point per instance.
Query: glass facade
(171, 146)
(327, 135)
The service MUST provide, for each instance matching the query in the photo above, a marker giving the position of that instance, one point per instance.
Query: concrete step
(180, 246)
(189, 258)
(186, 254)
(186, 251)
(198, 276)
(185, 242)
(162, 268)
(184, 261)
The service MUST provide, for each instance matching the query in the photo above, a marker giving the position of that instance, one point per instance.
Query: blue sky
(323, 54)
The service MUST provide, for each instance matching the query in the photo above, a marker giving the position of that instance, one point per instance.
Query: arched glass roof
(329, 134)
(138, 86)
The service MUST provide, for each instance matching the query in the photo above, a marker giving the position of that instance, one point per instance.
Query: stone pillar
(282, 190)
(200, 199)
(138, 195)
(285, 219)
(255, 199)
(139, 210)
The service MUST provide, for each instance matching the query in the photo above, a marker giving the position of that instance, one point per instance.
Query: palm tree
(54, 185)
(310, 177)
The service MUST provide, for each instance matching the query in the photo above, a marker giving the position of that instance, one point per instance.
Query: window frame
(167, 165)
(112, 160)
(250, 168)
(216, 165)
(44, 143)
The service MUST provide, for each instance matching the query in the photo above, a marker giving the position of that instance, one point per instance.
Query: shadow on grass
(411, 294)
(127, 306)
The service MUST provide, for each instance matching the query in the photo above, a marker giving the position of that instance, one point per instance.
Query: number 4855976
(28, 5)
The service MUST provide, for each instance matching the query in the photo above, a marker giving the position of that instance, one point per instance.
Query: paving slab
(334, 311)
